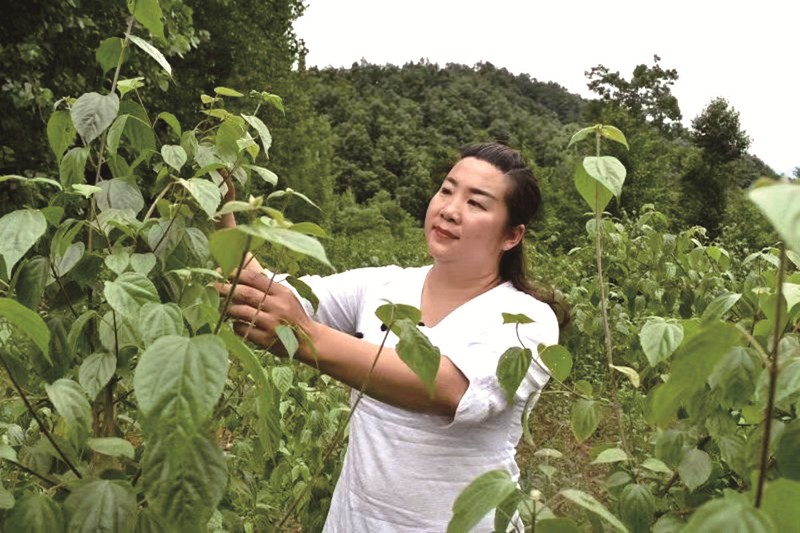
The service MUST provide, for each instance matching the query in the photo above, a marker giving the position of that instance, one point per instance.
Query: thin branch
(32, 472)
(773, 380)
(42, 426)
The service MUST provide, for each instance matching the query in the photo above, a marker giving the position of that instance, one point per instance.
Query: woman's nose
(449, 212)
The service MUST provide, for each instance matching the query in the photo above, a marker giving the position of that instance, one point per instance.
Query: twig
(773, 380)
(39, 420)
(32, 472)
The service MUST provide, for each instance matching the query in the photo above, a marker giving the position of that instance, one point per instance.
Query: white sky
(746, 52)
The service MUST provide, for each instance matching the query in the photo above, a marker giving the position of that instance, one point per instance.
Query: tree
(717, 131)
(647, 96)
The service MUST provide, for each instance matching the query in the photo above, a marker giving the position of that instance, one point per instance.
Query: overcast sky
(746, 52)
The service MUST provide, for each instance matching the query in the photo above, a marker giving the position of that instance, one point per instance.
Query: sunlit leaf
(511, 369)
(780, 203)
(695, 468)
(558, 361)
(660, 338)
(589, 503)
(485, 493)
(28, 322)
(152, 51)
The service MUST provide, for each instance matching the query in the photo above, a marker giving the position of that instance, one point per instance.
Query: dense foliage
(130, 405)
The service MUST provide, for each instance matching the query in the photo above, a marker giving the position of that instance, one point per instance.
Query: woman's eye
(476, 204)
(446, 192)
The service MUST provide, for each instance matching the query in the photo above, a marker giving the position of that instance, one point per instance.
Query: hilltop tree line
(370, 143)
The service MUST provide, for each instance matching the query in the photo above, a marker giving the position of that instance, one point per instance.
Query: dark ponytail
(522, 201)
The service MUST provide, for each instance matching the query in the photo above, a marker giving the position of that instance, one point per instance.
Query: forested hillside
(129, 403)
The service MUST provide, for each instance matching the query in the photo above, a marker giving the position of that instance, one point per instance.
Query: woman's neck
(444, 279)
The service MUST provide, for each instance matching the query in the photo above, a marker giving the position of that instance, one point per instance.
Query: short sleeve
(477, 360)
(341, 296)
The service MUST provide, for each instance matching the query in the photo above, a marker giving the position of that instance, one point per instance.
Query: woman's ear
(514, 237)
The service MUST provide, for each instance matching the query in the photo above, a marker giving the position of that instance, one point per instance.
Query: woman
(410, 454)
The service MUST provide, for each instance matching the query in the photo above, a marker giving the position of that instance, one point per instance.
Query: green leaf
(656, 465)
(548, 452)
(262, 130)
(287, 238)
(584, 387)
(152, 51)
(585, 418)
(76, 331)
(119, 194)
(506, 510)
(511, 369)
(695, 468)
(267, 175)
(62, 264)
(128, 85)
(138, 129)
(271, 99)
(35, 513)
(691, 366)
(780, 504)
(610, 132)
(608, 171)
(593, 192)
(282, 376)
(791, 292)
(29, 322)
(719, 306)
(229, 132)
(179, 380)
(157, 320)
(558, 361)
(781, 205)
(143, 263)
(660, 338)
(7, 452)
(226, 91)
(102, 505)
(304, 291)
(93, 113)
(115, 134)
(37, 180)
(589, 503)
(611, 455)
(71, 403)
(630, 373)
(556, 525)
(112, 446)
(32, 278)
(227, 246)
(60, 133)
(485, 493)
(107, 54)
(184, 480)
(172, 121)
(85, 190)
(205, 193)
(129, 292)
(174, 155)
(72, 166)
(637, 507)
(581, 134)
(417, 352)
(516, 318)
(288, 339)
(787, 452)
(118, 260)
(729, 514)
(291, 192)
(148, 14)
(390, 313)
(96, 371)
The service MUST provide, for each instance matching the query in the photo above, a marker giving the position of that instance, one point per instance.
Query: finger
(259, 281)
(260, 319)
(255, 335)
(243, 294)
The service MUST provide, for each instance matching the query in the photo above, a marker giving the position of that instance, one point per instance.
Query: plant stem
(61, 286)
(773, 379)
(42, 426)
(32, 472)
(233, 286)
(612, 378)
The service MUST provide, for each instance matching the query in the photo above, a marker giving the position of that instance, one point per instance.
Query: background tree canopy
(377, 139)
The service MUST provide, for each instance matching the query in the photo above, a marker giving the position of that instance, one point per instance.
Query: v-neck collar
(424, 276)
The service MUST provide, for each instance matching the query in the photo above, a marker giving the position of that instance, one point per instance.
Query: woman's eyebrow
(471, 190)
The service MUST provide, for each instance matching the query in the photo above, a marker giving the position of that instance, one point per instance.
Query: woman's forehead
(475, 173)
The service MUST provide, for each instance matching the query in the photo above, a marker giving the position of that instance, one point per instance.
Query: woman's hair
(522, 202)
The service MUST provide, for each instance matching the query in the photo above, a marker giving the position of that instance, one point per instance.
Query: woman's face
(467, 219)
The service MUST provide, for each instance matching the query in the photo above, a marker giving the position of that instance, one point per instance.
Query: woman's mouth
(442, 233)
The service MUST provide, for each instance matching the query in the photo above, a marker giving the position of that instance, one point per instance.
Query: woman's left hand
(260, 305)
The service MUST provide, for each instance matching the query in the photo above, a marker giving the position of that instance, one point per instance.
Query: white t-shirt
(403, 469)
